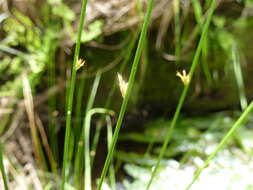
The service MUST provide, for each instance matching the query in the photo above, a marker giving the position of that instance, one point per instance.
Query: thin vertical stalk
(4, 176)
(52, 104)
(223, 142)
(79, 106)
(128, 91)
(109, 141)
(78, 165)
(86, 139)
(79, 156)
(144, 62)
(204, 58)
(29, 107)
(176, 4)
(108, 102)
(184, 93)
(199, 16)
(239, 78)
(122, 67)
(93, 91)
(71, 94)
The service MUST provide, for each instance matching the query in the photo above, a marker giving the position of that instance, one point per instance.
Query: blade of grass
(4, 176)
(197, 10)
(127, 56)
(198, 16)
(204, 57)
(109, 141)
(176, 5)
(86, 139)
(239, 78)
(79, 106)
(79, 166)
(128, 91)
(52, 44)
(71, 94)
(79, 157)
(184, 93)
(223, 142)
(93, 91)
(29, 107)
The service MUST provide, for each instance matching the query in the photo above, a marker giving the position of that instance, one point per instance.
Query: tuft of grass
(223, 142)
(4, 176)
(128, 92)
(185, 90)
(71, 95)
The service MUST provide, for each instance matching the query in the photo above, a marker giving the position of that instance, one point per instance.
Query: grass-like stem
(86, 139)
(128, 92)
(184, 93)
(71, 94)
(223, 142)
(4, 176)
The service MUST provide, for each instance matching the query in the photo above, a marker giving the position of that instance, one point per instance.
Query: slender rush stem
(109, 141)
(127, 55)
(128, 92)
(71, 94)
(223, 142)
(239, 78)
(79, 106)
(52, 104)
(79, 155)
(184, 93)
(4, 176)
(177, 28)
(86, 139)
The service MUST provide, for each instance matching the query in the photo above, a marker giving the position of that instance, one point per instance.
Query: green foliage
(40, 45)
(94, 30)
(128, 91)
(63, 11)
(224, 167)
(3, 173)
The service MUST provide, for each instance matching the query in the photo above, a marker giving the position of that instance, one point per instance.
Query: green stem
(79, 157)
(86, 139)
(122, 68)
(79, 106)
(239, 78)
(111, 93)
(71, 95)
(177, 28)
(4, 176)
(109, 141)
(223, 142)
(52, 103)
(184, 93)
(128, 92)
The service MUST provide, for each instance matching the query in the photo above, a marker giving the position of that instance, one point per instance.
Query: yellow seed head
(184, 77)
(80, 63)
(122, 85)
